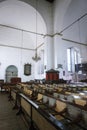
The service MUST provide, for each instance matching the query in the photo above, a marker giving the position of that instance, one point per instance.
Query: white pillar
(49, 52)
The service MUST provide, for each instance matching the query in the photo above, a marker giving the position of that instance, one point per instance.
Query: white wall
(65, 13)
(19, 15)
(45, 9)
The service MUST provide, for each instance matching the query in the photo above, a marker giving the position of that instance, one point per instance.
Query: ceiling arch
(22, 16)
(77, 9)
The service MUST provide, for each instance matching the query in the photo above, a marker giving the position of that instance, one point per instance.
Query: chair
(60, 106)
(80, 102)
(51, 102)
(70, 98)
(56, 107)
(59, 109)
(29, 92)
(56, 95)
(73, 113)
(61, 96)
(45, 99)
(39, 97)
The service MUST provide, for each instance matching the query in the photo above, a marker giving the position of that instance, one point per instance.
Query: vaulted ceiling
(21, 17)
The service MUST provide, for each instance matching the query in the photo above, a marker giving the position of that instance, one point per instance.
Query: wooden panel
(26, 106)
(15, 80)
(41, 122)
(84, 115)
(60, 106)
(52, 102)
(13, 94)
(52, 75)
(73, 111)
(80, 102)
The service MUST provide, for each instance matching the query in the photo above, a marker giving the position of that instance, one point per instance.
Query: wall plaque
(27, 69)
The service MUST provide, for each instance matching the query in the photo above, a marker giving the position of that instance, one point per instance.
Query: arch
(11, 71)
(77, 9)
(11, 68)
(22, 15)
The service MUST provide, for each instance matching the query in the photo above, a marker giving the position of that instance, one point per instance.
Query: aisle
(8, 118)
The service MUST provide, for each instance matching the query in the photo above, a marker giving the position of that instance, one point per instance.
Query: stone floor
(8, 118)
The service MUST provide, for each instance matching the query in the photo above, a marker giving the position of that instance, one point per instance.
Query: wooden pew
(39, 118)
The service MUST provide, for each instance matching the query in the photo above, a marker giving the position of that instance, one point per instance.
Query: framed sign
(27, 69)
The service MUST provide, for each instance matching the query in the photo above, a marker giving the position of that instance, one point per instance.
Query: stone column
(49, 52)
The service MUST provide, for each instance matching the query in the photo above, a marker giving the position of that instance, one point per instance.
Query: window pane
(75, 54)
(69, 59)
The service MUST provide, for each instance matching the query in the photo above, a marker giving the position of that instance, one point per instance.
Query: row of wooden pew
(69, 110)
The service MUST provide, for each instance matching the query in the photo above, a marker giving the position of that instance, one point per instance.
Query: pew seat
(60, 106)
(73, 113)
(80, 102)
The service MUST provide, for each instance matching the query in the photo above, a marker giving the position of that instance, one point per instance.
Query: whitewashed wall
(9, 55)
(21, 15)
(65, 13)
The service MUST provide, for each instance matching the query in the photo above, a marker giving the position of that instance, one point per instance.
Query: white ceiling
(21, 15)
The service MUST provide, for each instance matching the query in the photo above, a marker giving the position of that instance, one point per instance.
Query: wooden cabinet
(16, 80)
(52, 75)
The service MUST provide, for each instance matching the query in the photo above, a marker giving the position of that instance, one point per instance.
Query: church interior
(43, 65)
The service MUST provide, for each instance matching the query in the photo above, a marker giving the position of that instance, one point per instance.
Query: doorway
(11, 71)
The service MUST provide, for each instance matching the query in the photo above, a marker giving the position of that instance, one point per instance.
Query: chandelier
(36, 57)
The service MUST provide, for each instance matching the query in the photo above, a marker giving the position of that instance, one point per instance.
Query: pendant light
(36, 57)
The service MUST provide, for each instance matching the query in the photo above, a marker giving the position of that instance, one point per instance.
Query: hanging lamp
(36, 57)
